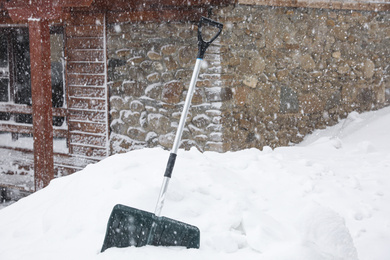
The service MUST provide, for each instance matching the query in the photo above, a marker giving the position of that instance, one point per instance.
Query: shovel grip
(170, 165)
(203, 45)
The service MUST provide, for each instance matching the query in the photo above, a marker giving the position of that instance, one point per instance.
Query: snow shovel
(133, 227)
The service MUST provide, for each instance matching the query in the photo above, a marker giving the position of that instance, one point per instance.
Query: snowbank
(327, 198)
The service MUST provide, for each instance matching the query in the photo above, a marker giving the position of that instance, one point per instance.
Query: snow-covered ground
(327, 198)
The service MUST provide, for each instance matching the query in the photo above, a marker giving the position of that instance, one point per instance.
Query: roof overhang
(20, 11)
(24, 10)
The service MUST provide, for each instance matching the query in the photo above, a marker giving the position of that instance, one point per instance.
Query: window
(15, 88)
(15, 79)
(15, 71)
(57, 71)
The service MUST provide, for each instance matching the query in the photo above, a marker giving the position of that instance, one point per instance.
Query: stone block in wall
(130, 117)
(245, 123)
(133, 88)
(289, 102)
(368, 69)
(240, 95)
(250, 81)
(365, 98)
(147, 66)
(135, 60)
(119, 127)
(201, 138)
(340, 33)
(334, 100)
(166, 140)
(171, 92)
(117, 102)
(153, 91)
(216, 146)
(123, 144)
(198, 97)
(183, 75)
(217, 94)
(169, 49)
(151, 139)
(244, 66)
(171, 64)
(136, 106)
(282, 75)
(201, 121)
(154, 55)
(114, 114)
(307, 62)
(159, 123)
(136, 133)
(380, 93)
(195, 130)
(154, 77)
(187, 56)
(311, 103)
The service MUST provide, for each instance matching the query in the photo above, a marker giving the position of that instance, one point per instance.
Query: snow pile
(327, 198)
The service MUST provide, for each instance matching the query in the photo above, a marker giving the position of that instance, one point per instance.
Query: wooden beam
(22, 10)
(157, 16)
(39, 33)
(152, 5)
(28, 129)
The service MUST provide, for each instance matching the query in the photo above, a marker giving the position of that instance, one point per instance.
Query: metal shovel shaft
(176, 143)
(186, 107)
(202, 47)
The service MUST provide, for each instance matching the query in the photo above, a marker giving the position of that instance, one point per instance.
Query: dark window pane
(58, 120)
(3, 90)
(22, 67)
(3, 51)
(57, 84)
(23, 118)
(5, 116)
(57, 71)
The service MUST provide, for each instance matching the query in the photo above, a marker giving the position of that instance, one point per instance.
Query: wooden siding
(86, 86)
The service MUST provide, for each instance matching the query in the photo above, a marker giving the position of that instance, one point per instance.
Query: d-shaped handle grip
(203, 45)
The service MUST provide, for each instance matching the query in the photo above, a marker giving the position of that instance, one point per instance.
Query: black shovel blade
(132, 227)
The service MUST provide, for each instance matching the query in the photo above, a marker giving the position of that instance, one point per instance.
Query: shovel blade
(132, 227)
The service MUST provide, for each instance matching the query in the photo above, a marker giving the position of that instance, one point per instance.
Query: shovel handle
(203, 45)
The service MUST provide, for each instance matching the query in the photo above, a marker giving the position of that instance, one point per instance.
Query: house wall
(86, 86)
(149, 68)
(299, 69)
(85, 110)
(275, 75)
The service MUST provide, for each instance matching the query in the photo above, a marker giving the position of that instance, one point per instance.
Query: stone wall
(274, 76)
(150, 68)
(296, 70)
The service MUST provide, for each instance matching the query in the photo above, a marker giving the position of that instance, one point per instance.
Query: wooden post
(39, 34)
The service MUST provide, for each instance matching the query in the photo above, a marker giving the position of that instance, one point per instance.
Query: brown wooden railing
(12, 127)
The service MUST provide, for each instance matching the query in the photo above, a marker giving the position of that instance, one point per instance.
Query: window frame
(12, 108)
